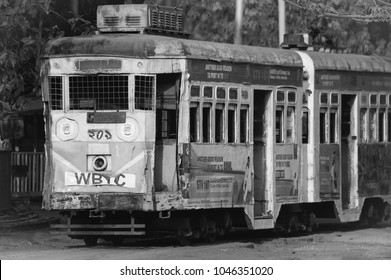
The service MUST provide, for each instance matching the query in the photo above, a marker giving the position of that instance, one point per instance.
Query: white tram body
(155, 133)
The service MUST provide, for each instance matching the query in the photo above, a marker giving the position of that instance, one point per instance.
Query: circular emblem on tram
(129, 131)
(67, 129)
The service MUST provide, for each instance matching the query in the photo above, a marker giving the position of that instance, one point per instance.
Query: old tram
(150, 134)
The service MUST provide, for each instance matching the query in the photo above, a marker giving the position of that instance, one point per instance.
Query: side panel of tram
(244, 138)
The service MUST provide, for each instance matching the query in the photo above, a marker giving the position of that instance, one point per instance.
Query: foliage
(357, 26)
(22, 36)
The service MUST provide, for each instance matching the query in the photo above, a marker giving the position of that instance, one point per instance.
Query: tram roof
(147, 46)
(350, 62)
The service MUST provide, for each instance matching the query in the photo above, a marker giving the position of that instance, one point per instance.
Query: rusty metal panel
(60, 201)
(145, 46)
(5, 181)
(120, 202)
(374, 176)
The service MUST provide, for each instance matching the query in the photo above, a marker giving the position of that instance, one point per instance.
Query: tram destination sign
(327, 79)
(201, 70)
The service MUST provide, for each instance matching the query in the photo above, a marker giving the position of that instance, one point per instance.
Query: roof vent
(296, 41)
(142, 18)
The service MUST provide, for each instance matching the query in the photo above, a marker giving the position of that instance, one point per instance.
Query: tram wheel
(90, 241)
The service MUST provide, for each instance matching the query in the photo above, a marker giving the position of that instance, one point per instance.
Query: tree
(22, 36)
(25, 27)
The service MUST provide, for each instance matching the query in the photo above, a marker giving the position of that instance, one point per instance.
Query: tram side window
(381, 125)
(206, 122)
(244, 128)
(305, 123)
(144, 90)
(55, 93)
(372, 125)
(323, 125)
(389, 125)
(363, 125)
(219, 123)
(231, 123)
(194, 119)
(333, 126)
(279, 124)
(290, 124)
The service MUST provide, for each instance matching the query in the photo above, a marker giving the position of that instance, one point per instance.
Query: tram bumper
(99, 202)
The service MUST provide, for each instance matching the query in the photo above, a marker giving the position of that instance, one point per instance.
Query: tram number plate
(95, 179)
(99, 134)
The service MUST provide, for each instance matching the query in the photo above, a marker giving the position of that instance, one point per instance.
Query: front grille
(103, 92)
(111, 21)
(133, 21)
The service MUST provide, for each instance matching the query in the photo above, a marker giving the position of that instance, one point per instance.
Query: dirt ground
(335, 242)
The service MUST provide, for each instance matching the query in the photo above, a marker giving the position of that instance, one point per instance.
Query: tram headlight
(99, 163)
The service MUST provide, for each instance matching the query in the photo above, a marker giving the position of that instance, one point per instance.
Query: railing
(27, 174)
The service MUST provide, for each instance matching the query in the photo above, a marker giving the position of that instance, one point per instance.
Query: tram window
(323, 125)
(233, 94)
(334, 98)
(194, 119)
(323, 98)
(166, 129)
(99, 92)
(290, 124)
(363, 125)
(305, 124)
(291, 96)
(333, 126)
(364, 100)
(383, 99)
(208, 91)
(55, 92)
(206, 121)
(219, 123)
(195, 91)
(389, 125)
(372, 125)
(373, 99)
(231, 123)
(244, 128)
(279, 124)
(280, 96)
(220, 93)
(244, 94)
(144, 88)
(381, 125)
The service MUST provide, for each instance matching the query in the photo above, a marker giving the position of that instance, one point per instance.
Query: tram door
(167, 94)
(348, 149)
(261, 99)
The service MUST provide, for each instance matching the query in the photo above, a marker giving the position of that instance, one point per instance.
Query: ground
(347, 241)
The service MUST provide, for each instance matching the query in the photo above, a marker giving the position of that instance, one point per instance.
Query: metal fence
(5, 179)
(27, 174)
